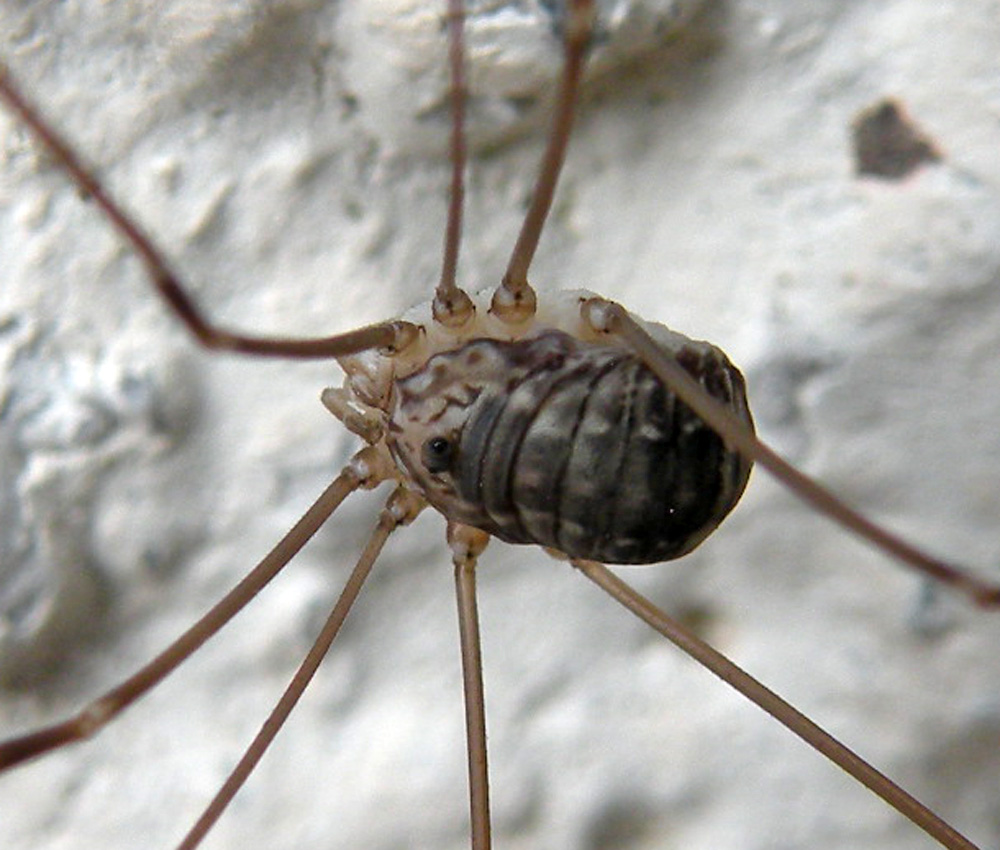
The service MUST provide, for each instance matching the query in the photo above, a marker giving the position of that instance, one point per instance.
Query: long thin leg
(612, 318)
(451, 306)
(774, 705)
(393, 335)
(361, 471)
(401, 509)
(514, 300)
(467, 544)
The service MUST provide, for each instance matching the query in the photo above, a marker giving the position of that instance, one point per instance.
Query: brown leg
(514, 300)
(613, 318)
(100, 712)
(401, 509)
(452, 307)
(392, 335)
(786, 714)
(466, 544)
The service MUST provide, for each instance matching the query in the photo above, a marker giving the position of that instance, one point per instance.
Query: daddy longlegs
(620, 809)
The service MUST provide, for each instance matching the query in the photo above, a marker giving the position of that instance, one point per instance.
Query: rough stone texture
(710, 186)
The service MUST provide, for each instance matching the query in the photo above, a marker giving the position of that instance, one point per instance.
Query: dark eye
(436, 453)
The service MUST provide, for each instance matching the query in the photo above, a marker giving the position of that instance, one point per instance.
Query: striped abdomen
(571, 445)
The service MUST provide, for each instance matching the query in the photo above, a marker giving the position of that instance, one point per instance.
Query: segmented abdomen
(571, 445)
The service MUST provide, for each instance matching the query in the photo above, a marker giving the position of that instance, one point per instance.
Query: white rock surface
(711, 187)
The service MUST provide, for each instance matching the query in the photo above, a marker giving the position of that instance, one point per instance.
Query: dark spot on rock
(888, 144)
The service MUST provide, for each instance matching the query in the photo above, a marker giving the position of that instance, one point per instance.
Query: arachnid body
(166, 472)
(599, 460)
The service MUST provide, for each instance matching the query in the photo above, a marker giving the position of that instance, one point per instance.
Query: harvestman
(415, 420)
